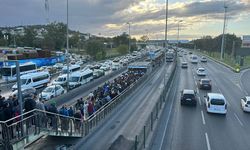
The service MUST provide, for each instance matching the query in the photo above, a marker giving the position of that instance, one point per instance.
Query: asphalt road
(129, 117)
(192, 128)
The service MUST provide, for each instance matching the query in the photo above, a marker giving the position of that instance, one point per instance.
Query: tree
(121, 40)
(122, 49)
(95, 48)
(55, 37)
(29, 36)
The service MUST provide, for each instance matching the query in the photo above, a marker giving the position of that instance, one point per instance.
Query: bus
(9, 72)
(170, 56)
(72, 68)
(33, 80)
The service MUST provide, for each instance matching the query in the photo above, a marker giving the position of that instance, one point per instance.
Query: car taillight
(208, 105)
(246, 105)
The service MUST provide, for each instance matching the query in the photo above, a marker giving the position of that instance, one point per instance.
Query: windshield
(61, 79)
(74, 79)
(191, 96)
(23, 81)
(6, 71)
(64, 71)
(217, 102)
(205, 81)
(48, 89)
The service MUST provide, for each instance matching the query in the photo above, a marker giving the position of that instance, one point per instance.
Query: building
(246, 41)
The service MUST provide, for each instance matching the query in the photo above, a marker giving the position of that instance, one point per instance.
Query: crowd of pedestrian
(106, 93)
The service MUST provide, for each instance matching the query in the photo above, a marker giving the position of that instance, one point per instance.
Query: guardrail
(141, 138)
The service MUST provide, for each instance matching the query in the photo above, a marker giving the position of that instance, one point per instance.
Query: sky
(196, 18)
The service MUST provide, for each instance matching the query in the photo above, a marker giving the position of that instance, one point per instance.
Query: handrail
(36, 110)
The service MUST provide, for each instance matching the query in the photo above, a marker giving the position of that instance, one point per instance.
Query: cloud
(109, 17)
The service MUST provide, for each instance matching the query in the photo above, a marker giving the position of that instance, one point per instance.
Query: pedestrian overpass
(18, 132)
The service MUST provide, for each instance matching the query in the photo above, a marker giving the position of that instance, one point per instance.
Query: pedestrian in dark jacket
(78, 115)
(53, 121)
(71, 111)
(30, 104)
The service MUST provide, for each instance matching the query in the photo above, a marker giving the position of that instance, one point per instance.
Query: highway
(192, 128)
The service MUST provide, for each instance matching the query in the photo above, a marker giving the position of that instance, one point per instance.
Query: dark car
(190, 53)
(205, 84)
(184, 65)
(188, 97)
(26, 92)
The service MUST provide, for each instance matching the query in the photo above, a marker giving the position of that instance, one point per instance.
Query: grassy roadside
(228, 60)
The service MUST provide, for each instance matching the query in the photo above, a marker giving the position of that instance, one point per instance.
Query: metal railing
(36, 121)
(141, 138)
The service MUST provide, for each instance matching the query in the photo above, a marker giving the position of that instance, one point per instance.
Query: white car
(201, 72)
(105, 67)
(61, 80)
(51, 92)
(58, 66)
(215, 103)
(245, 103)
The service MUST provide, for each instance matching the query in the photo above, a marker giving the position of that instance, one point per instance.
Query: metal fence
(141, 138)
(36, 121)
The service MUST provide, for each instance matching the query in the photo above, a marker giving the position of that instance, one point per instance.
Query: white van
(216, 103)
(194, 59)
(72, 68)
(35, 80)
(115, 66)
(61, 80)
(80, 77)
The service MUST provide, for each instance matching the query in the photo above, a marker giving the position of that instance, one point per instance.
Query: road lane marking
(207, 140)
(198, 91)
(203, 118)
(199, 100)
(238, 119)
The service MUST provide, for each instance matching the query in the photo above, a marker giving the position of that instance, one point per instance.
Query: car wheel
(62, 92)
(51, 97)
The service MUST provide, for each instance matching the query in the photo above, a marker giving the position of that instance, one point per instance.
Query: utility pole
(223, 34)
(67, 49)
(129, 44)
(178, 32)
(166, 27)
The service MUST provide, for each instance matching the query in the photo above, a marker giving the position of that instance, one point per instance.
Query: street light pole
(129, 45)
(166, 27)
(67, 49)
(223, 34)
(20, 101)
(178, 36)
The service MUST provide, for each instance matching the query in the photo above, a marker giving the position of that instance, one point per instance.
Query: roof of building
(143, 64)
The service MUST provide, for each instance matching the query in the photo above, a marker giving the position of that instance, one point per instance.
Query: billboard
(246, 41)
